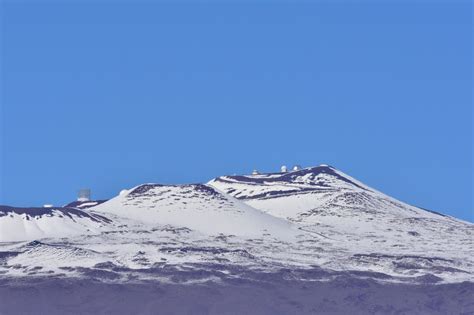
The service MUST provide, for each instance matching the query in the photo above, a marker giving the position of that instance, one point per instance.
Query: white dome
(296, 168)
(255, 172)
(123, 192)
(283, 169)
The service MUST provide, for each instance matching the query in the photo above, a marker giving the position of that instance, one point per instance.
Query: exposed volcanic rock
(85, 204)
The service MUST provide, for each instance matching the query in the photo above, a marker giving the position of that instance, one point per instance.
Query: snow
(354, 218)
(87, 204)
(316, 217)
(197, 207)
(19, 224)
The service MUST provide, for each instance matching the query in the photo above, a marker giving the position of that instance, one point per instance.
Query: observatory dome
(123, 192)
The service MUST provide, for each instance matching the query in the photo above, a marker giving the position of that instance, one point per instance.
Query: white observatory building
(296, 168)
(84, 195)
(255, 172)
(283, 169)
(123, 192)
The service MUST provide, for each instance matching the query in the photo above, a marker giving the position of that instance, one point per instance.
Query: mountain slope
(84, 204)
(19, 224)
(198, 207)
(376, 228)
(310, 194)
(315, 224)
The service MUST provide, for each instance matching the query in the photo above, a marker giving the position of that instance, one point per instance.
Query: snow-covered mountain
(376, 228)
(197, 207)
(323, 194)
(19, 224)
(314, 225)
(309, 194)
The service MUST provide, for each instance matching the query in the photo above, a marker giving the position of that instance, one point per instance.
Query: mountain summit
(198, 207)
(354, 218)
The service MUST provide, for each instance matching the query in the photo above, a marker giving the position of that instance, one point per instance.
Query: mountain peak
(315, 177)
(196, 206)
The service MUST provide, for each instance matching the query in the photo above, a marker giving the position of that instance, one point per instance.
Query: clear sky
(110, 94)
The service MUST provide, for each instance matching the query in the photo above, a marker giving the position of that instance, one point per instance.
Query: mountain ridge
(316, 217)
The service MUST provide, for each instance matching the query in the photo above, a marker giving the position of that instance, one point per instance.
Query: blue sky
(111, 94)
